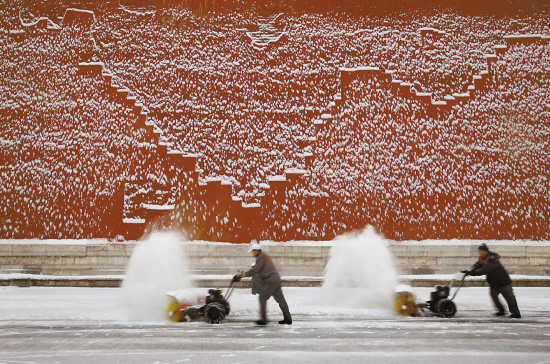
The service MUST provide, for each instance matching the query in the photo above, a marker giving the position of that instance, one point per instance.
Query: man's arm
(257, 267)
(488, 267)
(476, 266)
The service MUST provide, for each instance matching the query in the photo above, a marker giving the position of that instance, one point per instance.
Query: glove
(236, 278)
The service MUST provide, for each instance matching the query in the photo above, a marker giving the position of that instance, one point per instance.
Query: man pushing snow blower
(271, 284)
(498, 280)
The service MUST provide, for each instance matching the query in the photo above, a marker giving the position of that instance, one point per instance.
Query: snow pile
(360, 272)
(158, 265)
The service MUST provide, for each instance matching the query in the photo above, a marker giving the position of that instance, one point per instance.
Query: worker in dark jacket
(498, 280)
(271, 284)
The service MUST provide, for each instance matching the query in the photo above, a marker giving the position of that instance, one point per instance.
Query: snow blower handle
(236, 278)
(460, 276)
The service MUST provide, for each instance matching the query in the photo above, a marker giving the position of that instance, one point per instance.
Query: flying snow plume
(360, 272)
(157, 265)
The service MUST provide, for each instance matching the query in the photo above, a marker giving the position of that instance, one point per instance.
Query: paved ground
(79, 325)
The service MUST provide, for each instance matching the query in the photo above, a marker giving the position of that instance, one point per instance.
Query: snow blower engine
(439, 297)
(188, 304)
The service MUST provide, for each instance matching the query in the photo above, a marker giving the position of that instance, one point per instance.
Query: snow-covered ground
(84, 325)
(88, 305)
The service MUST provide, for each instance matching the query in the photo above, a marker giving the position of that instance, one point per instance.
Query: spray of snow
(360, 272)
(157, 265)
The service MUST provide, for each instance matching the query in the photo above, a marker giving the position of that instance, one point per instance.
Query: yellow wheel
(404, 304)
(174, 312)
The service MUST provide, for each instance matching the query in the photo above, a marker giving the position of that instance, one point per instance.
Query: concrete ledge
(300, 258)
(28, 250)
(31, 280)
(430, 281)
(538, 251)
(222, 281)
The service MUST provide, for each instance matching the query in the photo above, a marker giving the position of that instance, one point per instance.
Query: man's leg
(267, 291)
(494, 295)
(280, 298)
(510, 298)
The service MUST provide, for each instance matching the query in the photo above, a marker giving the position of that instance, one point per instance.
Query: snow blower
(439, 302)
(187, 305)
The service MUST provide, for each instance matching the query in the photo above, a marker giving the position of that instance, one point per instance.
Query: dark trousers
(273, 289)
(508, 293)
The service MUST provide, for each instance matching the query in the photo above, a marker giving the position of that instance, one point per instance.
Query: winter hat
(254, 246)
(483, 247)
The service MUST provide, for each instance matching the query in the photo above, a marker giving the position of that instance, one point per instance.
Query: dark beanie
(483, 247)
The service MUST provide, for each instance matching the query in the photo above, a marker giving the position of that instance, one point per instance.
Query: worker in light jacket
(498, 279)
(271, 284)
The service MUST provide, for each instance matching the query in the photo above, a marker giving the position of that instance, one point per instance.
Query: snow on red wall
(259, 123)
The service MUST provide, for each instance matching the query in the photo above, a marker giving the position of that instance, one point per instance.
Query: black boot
(261, 322)
(285, 321)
